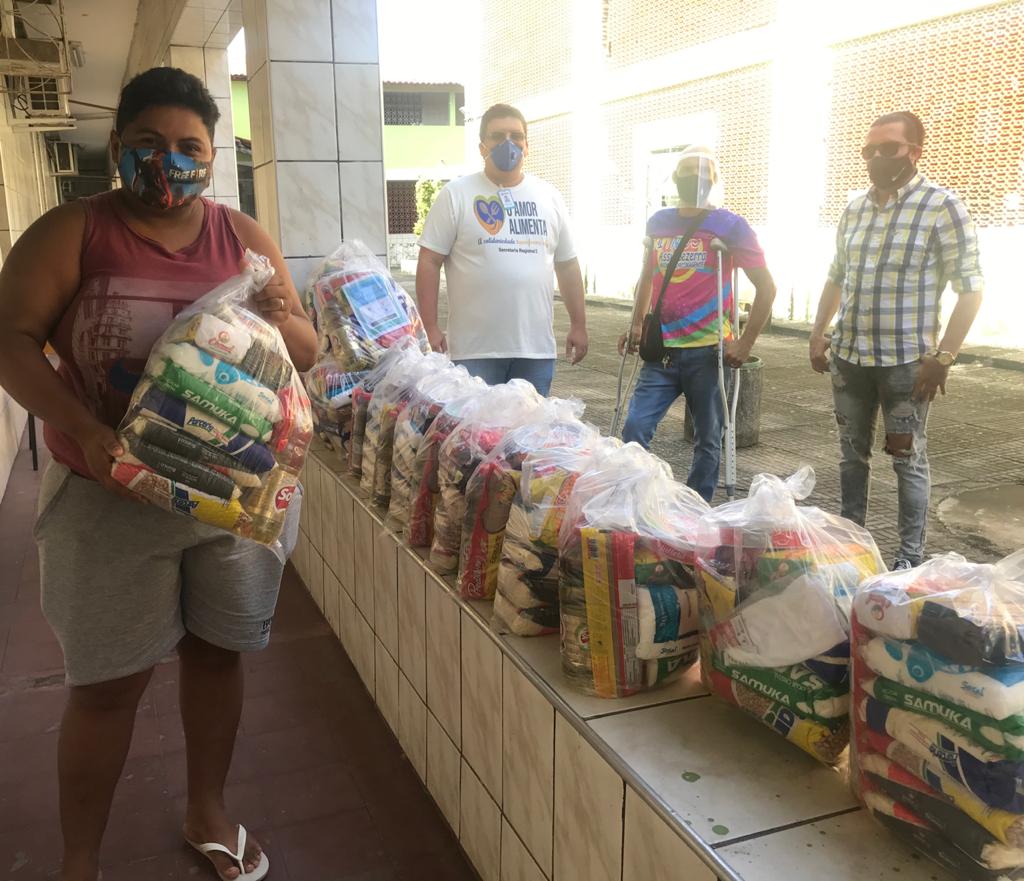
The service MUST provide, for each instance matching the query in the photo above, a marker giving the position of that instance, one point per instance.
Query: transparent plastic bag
(938, 710)
(429, 398)
(776, 584)
(360, 310)
(389, 399)
(503, 408)
(492, 487)
(526, 589)
(628, 603)
(219, 424)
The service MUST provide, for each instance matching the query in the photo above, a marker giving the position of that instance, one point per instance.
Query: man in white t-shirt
(502, 236)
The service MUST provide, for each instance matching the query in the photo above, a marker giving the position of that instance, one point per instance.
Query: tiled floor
(317, 775)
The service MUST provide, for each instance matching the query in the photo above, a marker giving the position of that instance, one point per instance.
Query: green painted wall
(240, 109)
(405, 146)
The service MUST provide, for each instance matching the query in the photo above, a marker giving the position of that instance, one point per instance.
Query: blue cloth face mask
(507, 155)
(162, 178)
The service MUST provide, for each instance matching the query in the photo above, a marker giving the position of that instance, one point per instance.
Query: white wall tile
(307, 196)
(516, 862)
(357, 87)
(329, 517)
(588, 810)
(346, 541)
(218, 78)
(300, 268)
(332, 601)
(362, 201)
(365, 654)
(363, 553)
(443, 771)
(299, 557)
(261, 116)
(480, 829)
(224, 133)
(443, 659)
(386, 684)
(265, 184)
(225, 172)
(190, 60)
(412, 654)
(299, 30)
(528, 763)
(304, 116)
(385, 586)
(254, 20)
(481, 705)
(650, 845)
(412, 726)
(316, 578)
(311, 498)
(355, 31)
(348, 614)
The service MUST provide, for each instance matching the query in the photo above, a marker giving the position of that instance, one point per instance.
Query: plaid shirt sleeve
(958, 248)
(837, 271)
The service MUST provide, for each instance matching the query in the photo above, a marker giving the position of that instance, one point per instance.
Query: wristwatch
(946, 359)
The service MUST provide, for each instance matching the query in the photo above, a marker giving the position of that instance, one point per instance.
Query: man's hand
(274, 302)
(931, 379)
(630, 342)
(100, 446)
(576, 345)
(736, 353)
(435, 336)
(819, 346)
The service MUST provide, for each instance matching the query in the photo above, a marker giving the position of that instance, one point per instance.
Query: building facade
(784, 90)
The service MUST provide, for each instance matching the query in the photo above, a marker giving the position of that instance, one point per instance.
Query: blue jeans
(495, 371)
(693, 373)
(859, 393)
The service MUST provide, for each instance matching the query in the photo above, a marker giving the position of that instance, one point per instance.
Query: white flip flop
(238, 857)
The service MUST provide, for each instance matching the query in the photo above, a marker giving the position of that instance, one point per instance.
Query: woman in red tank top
(123, 583)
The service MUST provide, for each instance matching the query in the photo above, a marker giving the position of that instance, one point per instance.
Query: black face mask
(886, 172)
(688, 187)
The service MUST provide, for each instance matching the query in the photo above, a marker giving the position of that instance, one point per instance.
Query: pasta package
(219, 425)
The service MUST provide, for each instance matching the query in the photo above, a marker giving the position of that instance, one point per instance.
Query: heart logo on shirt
(489, 213)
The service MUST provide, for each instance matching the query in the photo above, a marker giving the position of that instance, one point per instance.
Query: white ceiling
(212, 23)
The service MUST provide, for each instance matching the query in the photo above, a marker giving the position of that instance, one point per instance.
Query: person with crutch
(678, 336)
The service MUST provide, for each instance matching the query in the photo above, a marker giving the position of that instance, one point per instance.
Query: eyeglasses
(498, 137)
(886, 148)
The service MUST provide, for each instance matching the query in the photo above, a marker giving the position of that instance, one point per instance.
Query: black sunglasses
(886, 148)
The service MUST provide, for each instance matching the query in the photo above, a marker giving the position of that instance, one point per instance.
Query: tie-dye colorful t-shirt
(689, 317)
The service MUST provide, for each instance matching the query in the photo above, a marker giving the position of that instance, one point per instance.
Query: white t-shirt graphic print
(499, 264)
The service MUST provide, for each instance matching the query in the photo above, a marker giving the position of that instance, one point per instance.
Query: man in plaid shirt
(897, 246)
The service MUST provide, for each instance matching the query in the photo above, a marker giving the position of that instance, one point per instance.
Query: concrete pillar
(315, 113)
(211, 66)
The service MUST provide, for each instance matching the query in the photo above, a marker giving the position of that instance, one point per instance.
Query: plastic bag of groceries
(777, 580)
(425, 479)
(938, 710)
(360, 310)
(362, 394)
(389, 399)
(330, 396)
(628, 603)
(426, 402)
(493, 486)
(219, 424)
(526, 590)
(504, 407)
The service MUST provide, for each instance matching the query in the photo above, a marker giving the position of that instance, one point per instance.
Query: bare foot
(216, 829)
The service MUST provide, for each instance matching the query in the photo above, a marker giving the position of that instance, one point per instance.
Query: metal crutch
(619, 396)
(728, 406)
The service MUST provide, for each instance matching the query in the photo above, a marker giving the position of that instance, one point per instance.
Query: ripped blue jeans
(859, 393)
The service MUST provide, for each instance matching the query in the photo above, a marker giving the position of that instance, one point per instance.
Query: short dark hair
(913, 128)
(499, 111)
(166, 86)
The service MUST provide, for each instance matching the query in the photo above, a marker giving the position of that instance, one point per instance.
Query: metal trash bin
(748, 408)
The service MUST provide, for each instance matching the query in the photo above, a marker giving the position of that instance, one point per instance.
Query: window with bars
(403, 108)
(401, 206)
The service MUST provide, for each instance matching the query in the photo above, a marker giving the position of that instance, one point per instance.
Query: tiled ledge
(541, 782)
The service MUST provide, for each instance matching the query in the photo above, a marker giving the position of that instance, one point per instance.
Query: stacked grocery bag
(219, 424)
(628, 603)
(497, 410)
(359, 312)
(938, 715)
(776, 583)
(526, 588)
(492, 487)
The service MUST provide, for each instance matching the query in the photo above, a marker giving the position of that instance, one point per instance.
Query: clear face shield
(697, 180)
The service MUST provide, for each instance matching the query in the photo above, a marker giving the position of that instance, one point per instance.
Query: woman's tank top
(131, 289)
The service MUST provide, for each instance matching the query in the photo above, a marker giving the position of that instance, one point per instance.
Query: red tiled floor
(318, 778)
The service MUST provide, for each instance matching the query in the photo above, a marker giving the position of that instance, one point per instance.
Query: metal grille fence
(964, 76)
(401, 206)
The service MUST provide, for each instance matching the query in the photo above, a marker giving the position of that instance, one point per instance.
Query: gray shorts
(123, 582)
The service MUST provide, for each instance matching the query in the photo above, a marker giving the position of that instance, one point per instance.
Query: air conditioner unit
(20, 56)
(64, 156)
(39, 102)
